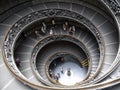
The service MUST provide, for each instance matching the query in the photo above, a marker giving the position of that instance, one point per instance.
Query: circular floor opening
(67, 70)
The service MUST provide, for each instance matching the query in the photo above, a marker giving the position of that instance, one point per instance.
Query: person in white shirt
(51, 32)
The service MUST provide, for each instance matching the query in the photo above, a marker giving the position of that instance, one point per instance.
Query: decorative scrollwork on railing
(114, 5)
(58, 38)
(20, 25)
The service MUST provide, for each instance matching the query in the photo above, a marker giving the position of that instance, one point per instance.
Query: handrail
(117, 59)
(51, 38)
(17, 34)
(50, 59)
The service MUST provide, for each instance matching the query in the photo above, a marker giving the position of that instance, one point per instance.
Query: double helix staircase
(102, 46)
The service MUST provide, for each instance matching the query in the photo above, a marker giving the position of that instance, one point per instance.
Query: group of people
(66, 28)
(54, 75)
(43, 30)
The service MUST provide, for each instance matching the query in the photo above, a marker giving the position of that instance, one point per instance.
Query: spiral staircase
(94, 43)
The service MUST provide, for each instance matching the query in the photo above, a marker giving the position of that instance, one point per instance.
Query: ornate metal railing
(16, 30)
(114, 5)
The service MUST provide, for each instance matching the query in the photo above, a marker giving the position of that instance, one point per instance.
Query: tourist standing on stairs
(44, 27)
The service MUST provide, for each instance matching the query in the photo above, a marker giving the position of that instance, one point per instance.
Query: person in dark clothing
(18, 62)
(70, 31)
